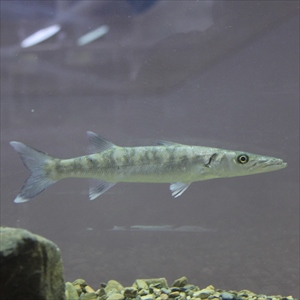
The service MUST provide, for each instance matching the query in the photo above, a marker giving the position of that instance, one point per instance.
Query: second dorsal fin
(98, 143)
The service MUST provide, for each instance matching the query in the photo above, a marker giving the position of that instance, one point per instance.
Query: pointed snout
(272, 164)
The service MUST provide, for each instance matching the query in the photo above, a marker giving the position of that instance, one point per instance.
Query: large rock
(31, 266)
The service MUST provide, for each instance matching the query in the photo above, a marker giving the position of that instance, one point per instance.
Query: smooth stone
(130, 292)
(227, 296)
(190, 293)
(143, 292)
(180, 282)
(174, 294)
(190, 287)
(156, 292)
(244, 294)
(205, 293)
(177, 289)
(31, 263)
(78, 288)
(116, 297)
(157, 282)
(182, 296)
(231, 292)
(80, 282)
(164, 296)
(101, 292)
(114, 286)
(148, 297)
(89, 296)
(70, 291)
(140, 284)
(166, 291)
(79, 285)
(215, 295)
(88, 289)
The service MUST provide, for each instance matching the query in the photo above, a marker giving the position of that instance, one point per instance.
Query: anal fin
(178, 188)
(99, 187)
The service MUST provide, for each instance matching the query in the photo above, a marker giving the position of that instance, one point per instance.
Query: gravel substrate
(158, 289)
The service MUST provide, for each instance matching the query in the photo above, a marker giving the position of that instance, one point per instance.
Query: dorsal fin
(98, 143)
(167, 143)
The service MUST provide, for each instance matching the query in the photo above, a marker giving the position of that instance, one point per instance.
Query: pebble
(78, 289)
(70, 291)
(174, 289)
(157, 289)
(130, 292)
(81, 282)
(174, 294)
(156, 292)
(166, 291)
(181, 282)
(140, 284)
(164, 297)
(143, 292)
(157, 282)
(182, 296)
(227, 296)
(204, 293)
(116, 297)
(101, 292)
(88, 289)
(189, 287)
(114, 286)
(148, 297)
(89, 296)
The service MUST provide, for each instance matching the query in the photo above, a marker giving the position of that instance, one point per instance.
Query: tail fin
(34, 161)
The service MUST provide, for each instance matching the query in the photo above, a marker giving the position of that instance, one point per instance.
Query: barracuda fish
(167, 162)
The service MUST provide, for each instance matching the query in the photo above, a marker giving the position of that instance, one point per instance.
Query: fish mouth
(274, 164)
(267, 165)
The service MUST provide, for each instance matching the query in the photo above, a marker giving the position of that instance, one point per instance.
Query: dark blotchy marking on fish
(210, 160)
(156, 158)
(92, 163)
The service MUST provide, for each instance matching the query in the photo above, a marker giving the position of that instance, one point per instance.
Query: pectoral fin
(98, 187)
(178, 188)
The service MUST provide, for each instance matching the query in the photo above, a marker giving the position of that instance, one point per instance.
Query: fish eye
(242, 158)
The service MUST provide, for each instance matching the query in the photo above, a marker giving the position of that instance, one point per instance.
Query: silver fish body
(168, 162)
